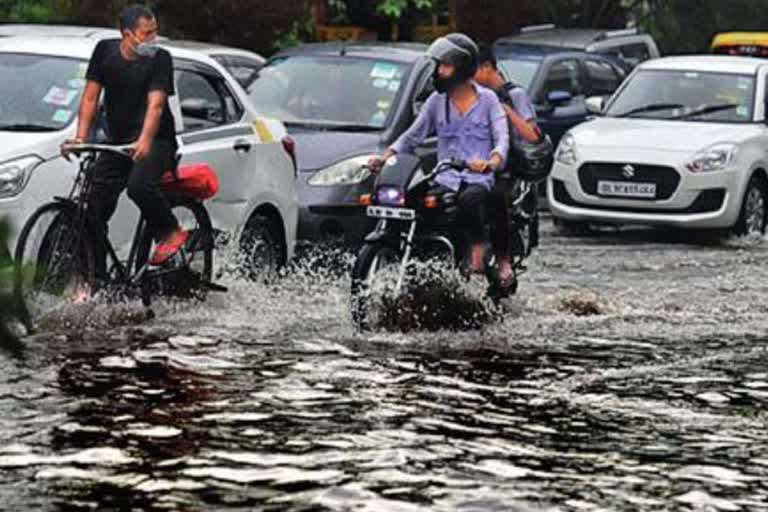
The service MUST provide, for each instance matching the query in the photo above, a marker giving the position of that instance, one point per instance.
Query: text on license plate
(382, 212)
(625, 189)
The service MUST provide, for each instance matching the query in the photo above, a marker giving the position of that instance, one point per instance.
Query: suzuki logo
(628, 171)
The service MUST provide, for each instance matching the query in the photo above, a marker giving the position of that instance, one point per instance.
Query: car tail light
(290, 147)
(366, 199)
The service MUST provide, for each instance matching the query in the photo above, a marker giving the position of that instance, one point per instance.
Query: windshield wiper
(651, 108)
(329, 126)
(27, 127)
(708, 109)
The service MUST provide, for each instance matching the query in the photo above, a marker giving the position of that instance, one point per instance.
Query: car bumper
(706, 200)
(332, 213)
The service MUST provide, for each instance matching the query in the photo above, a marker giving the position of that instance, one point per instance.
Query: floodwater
(629, 373)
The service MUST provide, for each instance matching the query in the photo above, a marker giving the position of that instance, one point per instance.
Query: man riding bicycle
(521, 115)
(137, 78)
(470, 125)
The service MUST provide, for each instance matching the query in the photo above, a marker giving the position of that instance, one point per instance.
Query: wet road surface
(630, 373)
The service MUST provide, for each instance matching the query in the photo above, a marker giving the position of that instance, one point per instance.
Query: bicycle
(55, 255)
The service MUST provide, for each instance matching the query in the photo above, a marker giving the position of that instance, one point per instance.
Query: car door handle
(242, 145)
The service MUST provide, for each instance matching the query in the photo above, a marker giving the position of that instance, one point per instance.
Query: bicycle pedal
(215, 287)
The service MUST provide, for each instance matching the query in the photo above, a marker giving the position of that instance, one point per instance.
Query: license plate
(626, 189)
(382, 212)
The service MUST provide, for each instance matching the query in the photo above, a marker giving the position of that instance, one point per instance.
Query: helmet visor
(444, 50)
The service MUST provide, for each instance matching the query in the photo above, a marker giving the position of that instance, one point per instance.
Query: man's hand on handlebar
(376, 162)
(141, 150)
(483, 166)
(67, 145)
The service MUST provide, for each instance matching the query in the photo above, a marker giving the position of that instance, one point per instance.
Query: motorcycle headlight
(390, 196)
(346, 172)
(566, 150)
(713, 158)
(14, 174)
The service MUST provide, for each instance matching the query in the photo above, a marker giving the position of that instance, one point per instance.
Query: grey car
(342, 103)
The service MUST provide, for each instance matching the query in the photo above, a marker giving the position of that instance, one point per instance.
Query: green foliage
(29, 11)
(300, 32)
(394, 9)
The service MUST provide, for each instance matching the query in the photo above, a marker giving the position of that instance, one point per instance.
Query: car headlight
(714, 158)
(14, 174)
(346, 172)
(566, 150)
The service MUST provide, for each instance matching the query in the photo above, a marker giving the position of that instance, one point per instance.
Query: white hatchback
(42, 83)
(683, 142)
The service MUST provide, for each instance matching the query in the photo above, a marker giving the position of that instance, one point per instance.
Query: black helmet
(458, 50)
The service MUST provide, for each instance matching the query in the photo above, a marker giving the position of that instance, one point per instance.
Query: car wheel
(752, 218)
(261, 249)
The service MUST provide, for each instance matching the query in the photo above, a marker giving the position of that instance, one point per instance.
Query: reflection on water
(266, 399)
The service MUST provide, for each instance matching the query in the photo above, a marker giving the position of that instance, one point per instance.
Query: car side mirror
(595, 104)
(559, 98)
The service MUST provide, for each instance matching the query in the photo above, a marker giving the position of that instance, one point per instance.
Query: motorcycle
(417, 220)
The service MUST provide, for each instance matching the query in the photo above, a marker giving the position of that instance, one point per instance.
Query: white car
(43, 79)
(683, 142)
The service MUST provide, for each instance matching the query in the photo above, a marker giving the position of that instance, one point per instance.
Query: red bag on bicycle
(196, 180)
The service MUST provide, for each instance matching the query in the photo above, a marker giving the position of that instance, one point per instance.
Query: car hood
(318, 149)
(673, 136)
(17, 144)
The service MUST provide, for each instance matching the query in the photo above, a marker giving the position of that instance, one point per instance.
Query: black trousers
(499, 201)
(114, 173)
(472, 211)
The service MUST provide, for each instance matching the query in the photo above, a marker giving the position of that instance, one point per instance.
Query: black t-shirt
(127, 84)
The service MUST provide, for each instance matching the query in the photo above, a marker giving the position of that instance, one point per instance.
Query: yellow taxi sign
(741, 43)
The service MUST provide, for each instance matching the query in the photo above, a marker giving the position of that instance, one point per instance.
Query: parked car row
(641, 139)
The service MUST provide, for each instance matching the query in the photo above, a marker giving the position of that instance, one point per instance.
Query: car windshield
(519, 71)
(39, 92)
(686, 95)
(329, 91)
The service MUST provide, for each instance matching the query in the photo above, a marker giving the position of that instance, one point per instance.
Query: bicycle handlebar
(78, 149)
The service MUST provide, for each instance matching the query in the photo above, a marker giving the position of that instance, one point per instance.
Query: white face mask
(147, 48)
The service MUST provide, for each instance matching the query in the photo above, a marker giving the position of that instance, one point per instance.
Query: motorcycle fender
(384, 237)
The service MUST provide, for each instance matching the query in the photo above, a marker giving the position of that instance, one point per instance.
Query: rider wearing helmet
(470, 124)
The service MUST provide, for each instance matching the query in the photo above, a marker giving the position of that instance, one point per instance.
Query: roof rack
(618, 33)
(537, 28)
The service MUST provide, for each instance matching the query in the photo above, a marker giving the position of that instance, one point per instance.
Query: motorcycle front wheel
(374, 275)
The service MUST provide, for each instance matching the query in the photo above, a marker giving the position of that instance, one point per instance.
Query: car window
(39, 92)
(242, 69)
(633, 54)
(602, 77)
(520, 71)
(205, 101)
(330, 90)
(562, 76)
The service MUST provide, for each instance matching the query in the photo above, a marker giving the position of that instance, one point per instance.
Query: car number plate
(626, 189)
(382, 212)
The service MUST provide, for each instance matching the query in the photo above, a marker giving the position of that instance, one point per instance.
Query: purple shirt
(475, 135)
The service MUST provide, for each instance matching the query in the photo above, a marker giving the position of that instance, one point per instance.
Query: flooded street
(630, 373)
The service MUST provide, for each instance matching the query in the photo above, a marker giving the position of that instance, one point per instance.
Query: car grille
(666, 178)
(709, 200)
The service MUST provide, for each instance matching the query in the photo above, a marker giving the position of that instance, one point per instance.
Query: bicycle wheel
(194, 268)
(54, 262)
(198, 251)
